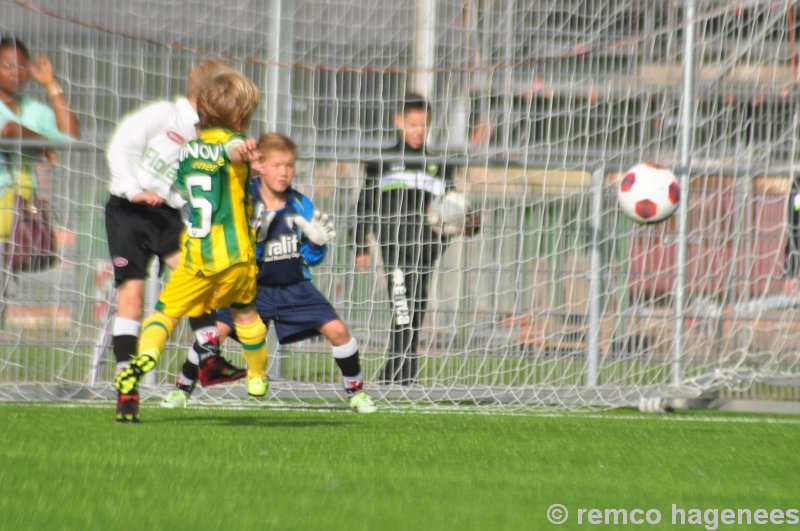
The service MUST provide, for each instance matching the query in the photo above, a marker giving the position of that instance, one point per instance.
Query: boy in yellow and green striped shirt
(217, 267)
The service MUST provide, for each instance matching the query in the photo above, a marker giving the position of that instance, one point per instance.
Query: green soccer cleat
(178, 398)
(175, 399)
(128, 378)
(362, 403)
(257, 386)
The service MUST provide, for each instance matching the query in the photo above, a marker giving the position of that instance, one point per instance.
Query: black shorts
(136, 233)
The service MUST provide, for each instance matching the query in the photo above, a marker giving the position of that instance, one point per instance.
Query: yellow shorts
(191, 296)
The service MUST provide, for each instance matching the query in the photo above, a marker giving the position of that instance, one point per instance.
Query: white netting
(531, 99)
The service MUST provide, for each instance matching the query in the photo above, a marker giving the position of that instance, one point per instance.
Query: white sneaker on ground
(362, 403)
(175, 399)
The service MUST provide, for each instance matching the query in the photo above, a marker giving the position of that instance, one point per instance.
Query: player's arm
(41, 71)
(12, 128)
(313, 254)
(261, 221)
(241, 150)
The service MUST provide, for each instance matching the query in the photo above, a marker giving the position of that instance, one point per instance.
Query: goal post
(559, 300)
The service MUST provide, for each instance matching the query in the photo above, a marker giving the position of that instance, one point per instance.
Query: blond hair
(269, 143)
(201, 73)
(227, 100)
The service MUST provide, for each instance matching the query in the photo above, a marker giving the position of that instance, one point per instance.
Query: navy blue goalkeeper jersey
(284, 258)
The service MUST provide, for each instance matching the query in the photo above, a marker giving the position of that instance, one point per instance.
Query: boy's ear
(398, 120)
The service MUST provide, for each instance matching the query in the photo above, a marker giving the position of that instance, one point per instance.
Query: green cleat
(128, 378)
(179, 397)
(257, 386)
(362, 403)
(175, 399)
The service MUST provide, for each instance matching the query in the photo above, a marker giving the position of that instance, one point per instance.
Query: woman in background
(27, 118)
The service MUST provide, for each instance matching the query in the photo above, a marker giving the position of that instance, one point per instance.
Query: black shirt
(393, 203)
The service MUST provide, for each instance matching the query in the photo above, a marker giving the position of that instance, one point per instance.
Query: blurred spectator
(21, 171)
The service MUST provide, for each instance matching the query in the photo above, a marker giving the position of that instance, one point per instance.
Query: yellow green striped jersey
(218, 233)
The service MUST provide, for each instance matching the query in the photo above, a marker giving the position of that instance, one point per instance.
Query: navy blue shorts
(298, 311)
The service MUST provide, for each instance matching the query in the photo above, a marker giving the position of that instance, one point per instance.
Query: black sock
(189, 371)
(350, 366)
(124, 348)
(351, 373)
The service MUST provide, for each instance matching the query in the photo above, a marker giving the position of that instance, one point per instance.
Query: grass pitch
(263, 469)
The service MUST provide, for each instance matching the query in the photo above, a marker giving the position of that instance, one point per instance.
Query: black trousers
(408, 295)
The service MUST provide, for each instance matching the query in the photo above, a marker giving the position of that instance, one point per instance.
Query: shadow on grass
(255, 420)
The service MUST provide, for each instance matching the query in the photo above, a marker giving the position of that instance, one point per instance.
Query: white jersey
(143, 151)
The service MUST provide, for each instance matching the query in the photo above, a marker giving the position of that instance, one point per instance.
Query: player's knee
(251, 333)
(246, 316)
(225, 331)
(130, 299)
(336, 332)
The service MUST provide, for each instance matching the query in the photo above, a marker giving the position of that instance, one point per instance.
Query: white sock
(193, 357)
(126, 327)
(346, 350)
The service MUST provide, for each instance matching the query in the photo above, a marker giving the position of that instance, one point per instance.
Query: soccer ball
(648, 193)
(447, 213)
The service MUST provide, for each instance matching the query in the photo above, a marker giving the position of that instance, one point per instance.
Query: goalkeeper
(291, 235)
(392, 206)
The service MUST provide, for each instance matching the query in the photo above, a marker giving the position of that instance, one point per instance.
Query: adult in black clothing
(392, 207)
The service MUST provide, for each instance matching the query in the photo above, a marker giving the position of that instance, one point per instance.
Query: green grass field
(261, 468)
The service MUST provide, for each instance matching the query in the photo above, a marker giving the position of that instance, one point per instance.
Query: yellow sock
(156, 329)
(254, 347)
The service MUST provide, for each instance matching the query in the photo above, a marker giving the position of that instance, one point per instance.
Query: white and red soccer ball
(648, 193)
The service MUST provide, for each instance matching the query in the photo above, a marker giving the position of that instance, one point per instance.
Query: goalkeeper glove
(319, 230)
(261, 222)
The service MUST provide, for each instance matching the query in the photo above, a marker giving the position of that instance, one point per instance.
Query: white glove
(319, 229)
(261, 222)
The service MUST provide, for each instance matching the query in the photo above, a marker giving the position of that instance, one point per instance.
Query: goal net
(559, 300)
